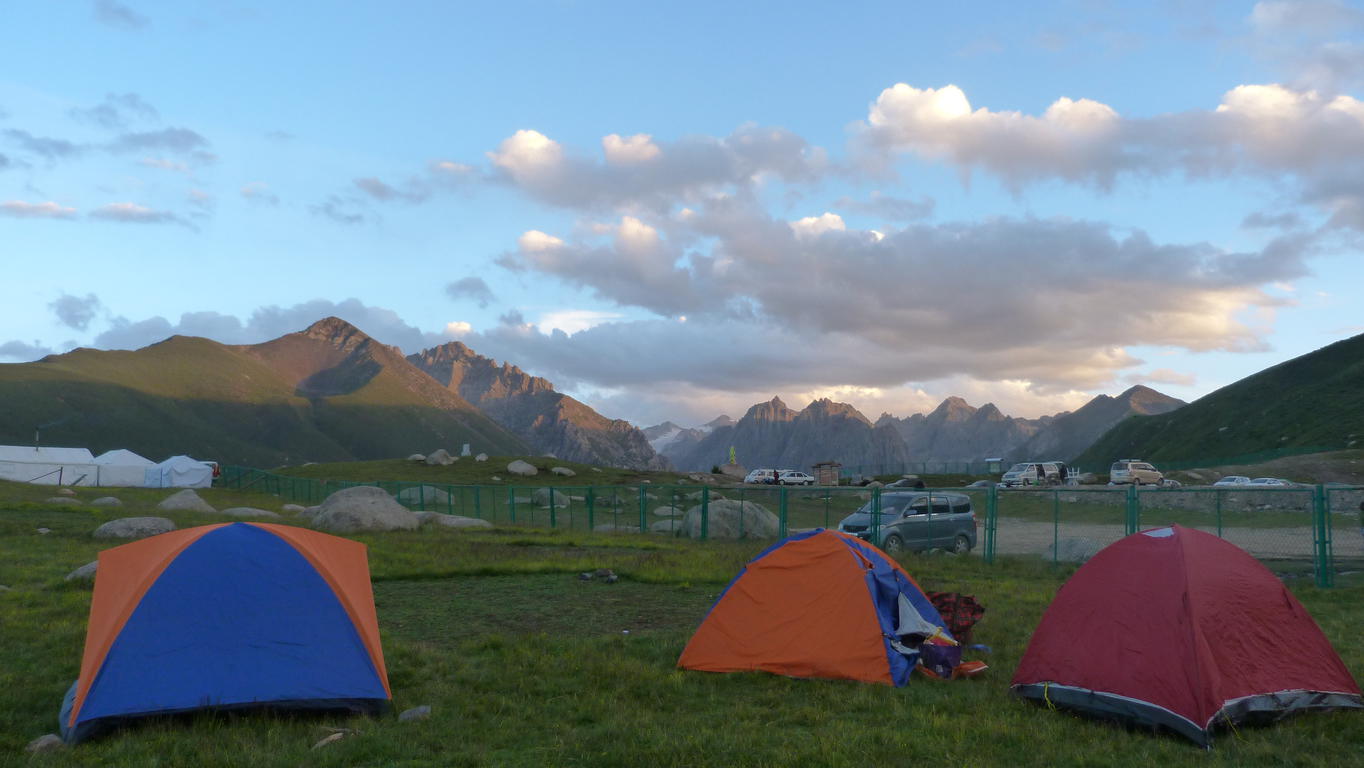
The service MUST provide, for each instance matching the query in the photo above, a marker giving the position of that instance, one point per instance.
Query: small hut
(826, 472)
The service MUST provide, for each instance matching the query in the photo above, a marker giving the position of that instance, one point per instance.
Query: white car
(760, 476)
(1233, 480)
(1134, 471)
(1270, 482)
(792, 477)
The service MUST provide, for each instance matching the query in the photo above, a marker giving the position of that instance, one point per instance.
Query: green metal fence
(1306, 531)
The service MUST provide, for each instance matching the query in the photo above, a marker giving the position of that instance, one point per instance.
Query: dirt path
(1023, 537)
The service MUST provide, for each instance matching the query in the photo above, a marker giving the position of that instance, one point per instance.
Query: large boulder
(185, 501)
(1073, 550)
(294, 509)
(417, 457)
(134, 528)
(424, 495)
(563, 471)
(106, 501)
(481, 457)
(730, 519)
(670, 526)
(440, 458)
(541, 497)
(364, 508)
(525, 469)
(248, 512)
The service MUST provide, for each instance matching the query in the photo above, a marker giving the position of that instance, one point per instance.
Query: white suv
(793, 477)
(1134, 471)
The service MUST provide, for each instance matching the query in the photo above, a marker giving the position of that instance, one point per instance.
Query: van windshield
(1117, 465)
(1019, 467)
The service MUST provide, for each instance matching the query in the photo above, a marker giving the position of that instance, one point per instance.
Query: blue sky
(882, 203)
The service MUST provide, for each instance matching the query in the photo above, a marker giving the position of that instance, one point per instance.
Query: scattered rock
(440, 458)
(63, 501)
(585, 576)
(107, 501)
(45, 743)
(294, 509)
(185, 501)
(65, 492)
(415, 713)
(520, 467)
(594, 469)
(729, 519)
(668, 511)
(364, 508)
(613, 528)
(425, 495)
(612, 579)
(541, 497)
(4, 588)
(875, 484)
(496, 479)
(481, 457)
(335, 737)
(417, 457)
(44, 531)
(453, 521)
(563, 471)
(665, 526)
(248, 512)
(694, 477)
(84, 573)
(134, 528)
(1073, 550)
(311, 512)
(602, 573)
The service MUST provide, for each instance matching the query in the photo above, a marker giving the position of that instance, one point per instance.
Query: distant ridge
(1315, 400)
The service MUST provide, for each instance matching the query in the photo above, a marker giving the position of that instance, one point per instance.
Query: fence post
(705, 512)
(643, 511)
(781, 515)
(553, 509)
(826, 507)
(478, 501)
(1055, 527)
(511, 502)
(591, 507)
(875, 528)
(1322, 533)
(991, 513)
(1219, 493)
(1133, 510)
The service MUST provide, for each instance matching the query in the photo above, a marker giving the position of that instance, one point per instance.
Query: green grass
(526, 665)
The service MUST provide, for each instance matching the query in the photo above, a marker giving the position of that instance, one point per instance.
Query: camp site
(249, 628)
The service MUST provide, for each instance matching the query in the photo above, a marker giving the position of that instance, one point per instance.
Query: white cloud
(631, 150)
(458, 329)
(20, 209)
(529, 156)
(133, 213)
(571, 321)
(814, 226)
(535, 241)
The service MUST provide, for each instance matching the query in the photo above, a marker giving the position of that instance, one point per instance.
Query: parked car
(794, 477)
(1035, 473)
(1167, 482)
(1134, 471)
(917, 520)
(1233, 480)
(761, 476)
(1270, 482)
(980, 484)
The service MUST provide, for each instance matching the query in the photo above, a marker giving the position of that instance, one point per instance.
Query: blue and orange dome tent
(820, 604)
(228, 616)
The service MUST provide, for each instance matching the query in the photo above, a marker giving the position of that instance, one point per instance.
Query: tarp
(819, 604)
(1176, 628)
(228, 616)
(122, 467)
(47, 465)
(179, 472)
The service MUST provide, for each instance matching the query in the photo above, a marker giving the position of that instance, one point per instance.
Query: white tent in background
(47, 466)
(122, 468)
(179, 472)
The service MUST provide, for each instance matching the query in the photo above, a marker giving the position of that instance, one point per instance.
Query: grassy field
(523, 664)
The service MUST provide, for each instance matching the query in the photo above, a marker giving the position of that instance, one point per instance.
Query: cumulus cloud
(118, 15)
(132, 213)
(22, 351)
(471, 289)
(182, 141)
(269, 322)
(637, 171)
(76, 311)
(20, 209)
(116, 111)
(45, 147)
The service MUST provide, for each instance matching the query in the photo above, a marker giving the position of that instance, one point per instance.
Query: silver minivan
(917, 520)
(1134, 471)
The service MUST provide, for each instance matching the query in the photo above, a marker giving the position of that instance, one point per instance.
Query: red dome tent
(1176, 628)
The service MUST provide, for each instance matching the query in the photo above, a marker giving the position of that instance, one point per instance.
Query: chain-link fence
(1308, 531)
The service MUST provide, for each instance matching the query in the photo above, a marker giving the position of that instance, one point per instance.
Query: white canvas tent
(122, 468)
(48, 466)
(179, 472)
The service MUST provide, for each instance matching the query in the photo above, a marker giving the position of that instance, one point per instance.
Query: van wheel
(962, 545)
(893, 544)
(1136, 481)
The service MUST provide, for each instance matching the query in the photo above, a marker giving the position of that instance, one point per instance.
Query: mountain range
(772, 435)
(327, 393)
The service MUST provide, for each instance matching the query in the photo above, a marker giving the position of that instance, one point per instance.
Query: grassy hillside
(466, 471)
(1316, 400)
(212, 401)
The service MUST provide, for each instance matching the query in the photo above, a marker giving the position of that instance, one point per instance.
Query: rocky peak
(335, 331)
(772, 410)
(988, 412)
(719, 421)
(953, 409)
(824, 409)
